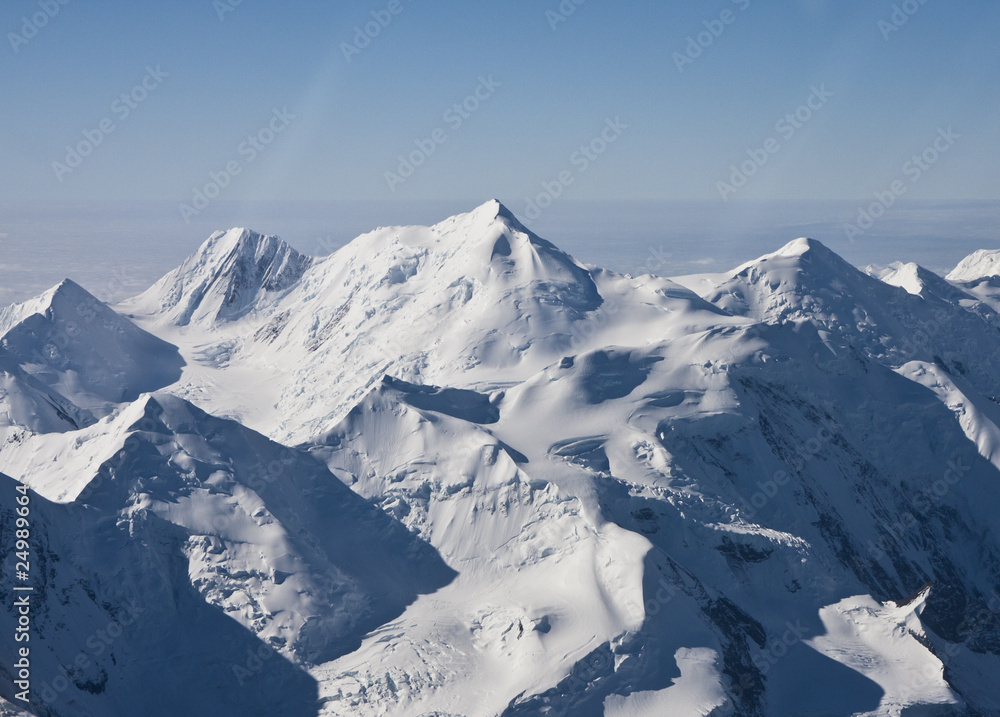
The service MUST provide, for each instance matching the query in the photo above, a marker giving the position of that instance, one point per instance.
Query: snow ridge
(451, 470)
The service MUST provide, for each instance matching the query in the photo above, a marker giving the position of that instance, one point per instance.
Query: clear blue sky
(557, 87)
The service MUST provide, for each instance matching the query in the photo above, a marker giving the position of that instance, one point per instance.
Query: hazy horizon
(117, 249)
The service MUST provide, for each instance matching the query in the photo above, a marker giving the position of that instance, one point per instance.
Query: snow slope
(977, 275)
(981, 264)
(233, 273)
(450, 470)
(81, 349)
(483, 301)
(224, 541)
(27, 403)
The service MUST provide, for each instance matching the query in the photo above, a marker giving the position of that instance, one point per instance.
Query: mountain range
(453, 471)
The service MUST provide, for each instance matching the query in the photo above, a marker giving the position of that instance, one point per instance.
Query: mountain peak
(82, 349)
(500, 211)
(794, 281)
(476, 222)
(223, 241)
(232, 273)
(918, 281)
(797, 260)
(979, 264)
(493, 206)
(68, 287)
(800, 246)
(69, 294)
(64, 296)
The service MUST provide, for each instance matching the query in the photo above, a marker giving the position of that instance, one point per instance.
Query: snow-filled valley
(452, 471)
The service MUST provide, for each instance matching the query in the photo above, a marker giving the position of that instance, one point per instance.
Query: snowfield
(452, 471)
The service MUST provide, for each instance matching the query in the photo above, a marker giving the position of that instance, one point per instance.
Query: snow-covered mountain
(80, 348)
(978, 265)
(979, 275)
(451, 470)
(475, 301)
(217, 542)
(232, 274)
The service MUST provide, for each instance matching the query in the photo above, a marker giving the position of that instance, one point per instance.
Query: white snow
(451, 470)
(978, 265)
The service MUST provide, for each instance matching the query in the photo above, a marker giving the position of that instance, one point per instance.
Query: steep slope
(229, 544)
(117, 628)
(477, 300)
(540, 585)
(526, 486)
(979, 275)
(232, 274)
(26, 403)
(920, 282)
(78, 347)
(764, 510)
(804, 282)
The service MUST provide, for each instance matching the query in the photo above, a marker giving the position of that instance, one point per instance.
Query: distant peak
(237, 237)
(492, 210)
(800, 246)
(478, 222)
(802, 251)
(68, 285)
(501, 211)
(979, 264)
(69, 291)
(229, 275)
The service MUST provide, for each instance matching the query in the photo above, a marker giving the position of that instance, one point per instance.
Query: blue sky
(554, 81)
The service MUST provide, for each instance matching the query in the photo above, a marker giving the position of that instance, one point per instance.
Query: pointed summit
(805, 282)
(807, 251)
(919, 281)
(496, 239)
(792, 281)
(79, 347)
(495, 209)
(477, 223)
(231, 274)
(64, 296)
